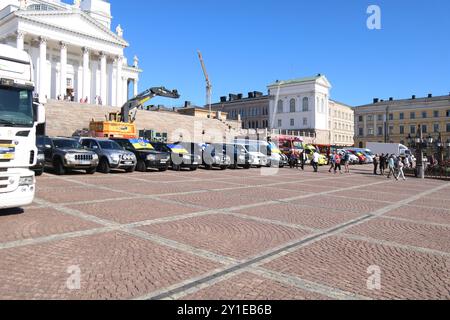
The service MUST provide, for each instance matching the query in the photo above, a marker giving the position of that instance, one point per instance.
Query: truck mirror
(40, 113)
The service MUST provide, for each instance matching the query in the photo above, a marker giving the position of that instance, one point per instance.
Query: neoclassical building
(73, 49)
(297, 105)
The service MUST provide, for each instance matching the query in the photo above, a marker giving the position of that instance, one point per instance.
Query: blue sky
(249, 44)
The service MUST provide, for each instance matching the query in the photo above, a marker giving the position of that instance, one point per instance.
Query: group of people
(98, 99)
(337, 161)
(394, 164)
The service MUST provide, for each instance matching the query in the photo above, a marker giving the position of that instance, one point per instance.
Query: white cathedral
(74, 52)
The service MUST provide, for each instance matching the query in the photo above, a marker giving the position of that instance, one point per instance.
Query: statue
(136, 62)
(119, 31)
(22, 4)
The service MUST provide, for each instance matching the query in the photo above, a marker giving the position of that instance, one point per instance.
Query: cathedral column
(119, 86)
(135, 87)
(63, 70)
(86, 86)
(103, 81)
(19, 40)
(42, 68)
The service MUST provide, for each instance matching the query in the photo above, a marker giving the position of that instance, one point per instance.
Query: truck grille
(83, 157)
(4, 182)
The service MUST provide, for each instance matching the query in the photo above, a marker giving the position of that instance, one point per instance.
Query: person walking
(401, 173)
(332, 162)
(315, 161)
(382, 164)
(376, 163)
(391, 166)
(302, 160)
(346, 162)
(337, 163)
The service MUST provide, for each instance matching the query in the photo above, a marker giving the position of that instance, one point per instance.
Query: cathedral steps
(65, 118)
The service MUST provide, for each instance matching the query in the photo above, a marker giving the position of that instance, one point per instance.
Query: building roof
(297, 80)
(402, 102)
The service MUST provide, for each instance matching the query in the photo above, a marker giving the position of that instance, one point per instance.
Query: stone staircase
(65, 118)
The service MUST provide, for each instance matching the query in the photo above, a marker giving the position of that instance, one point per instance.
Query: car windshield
(16, 107)
(67, 144)
(298, 145)
(109, 145)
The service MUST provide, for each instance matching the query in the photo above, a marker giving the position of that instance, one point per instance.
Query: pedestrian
(332, 162)
(337, 163)
(315, 161)
(347, 162)
(382, 164)
(401, 173)
(302, 160)
(391, 166)
(292, 159)
(376, 162)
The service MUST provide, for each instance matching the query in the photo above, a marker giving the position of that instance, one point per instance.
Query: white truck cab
(19, 117)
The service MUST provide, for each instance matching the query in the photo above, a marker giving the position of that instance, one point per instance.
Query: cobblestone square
(234, 234)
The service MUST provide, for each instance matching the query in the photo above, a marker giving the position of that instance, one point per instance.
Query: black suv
(40, 164)
(65, 154)
(179, 157)
(146, 155)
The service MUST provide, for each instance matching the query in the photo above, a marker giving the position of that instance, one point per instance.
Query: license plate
(7, 156)
(163, 161)
(195, 163)
(85, 163)
(128, 162)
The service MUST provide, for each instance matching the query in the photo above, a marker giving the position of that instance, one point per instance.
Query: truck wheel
(141, 167)
(193, 168)
(208, 167)
(247, 166)
(162, 169)
(223, 167)
(59, 167)
(39, 172)
(176, 167)
(104, 167)
(91, 171)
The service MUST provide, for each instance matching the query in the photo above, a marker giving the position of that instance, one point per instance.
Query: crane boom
(208, 82)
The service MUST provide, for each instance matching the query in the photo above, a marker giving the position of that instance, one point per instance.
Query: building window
(305, 104)
(391, 117)
(280, 123)
(402, 116)
(424, 128)
(69, 83)
(380, 117)
(448, 114)
(369, 118)
(448, 127)
(436, 114)
(402, 130)
(436, 127)
(361, 132)
(292, 122)
(370, 132)
(292, 106)
(412, 115)
(305, 121)
(280, 106)
(424, 115)
(380, 131)
(360, 119)
(412, 129)
(391, 130)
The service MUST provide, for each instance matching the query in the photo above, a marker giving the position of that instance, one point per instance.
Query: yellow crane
(208, 82)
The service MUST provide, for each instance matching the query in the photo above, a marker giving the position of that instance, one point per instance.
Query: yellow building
(341, 123)
(393, 121)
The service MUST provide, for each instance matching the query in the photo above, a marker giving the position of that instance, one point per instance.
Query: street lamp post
(440, 147)
(419, 150)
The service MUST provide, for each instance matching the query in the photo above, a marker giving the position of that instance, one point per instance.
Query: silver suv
(111, 155)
